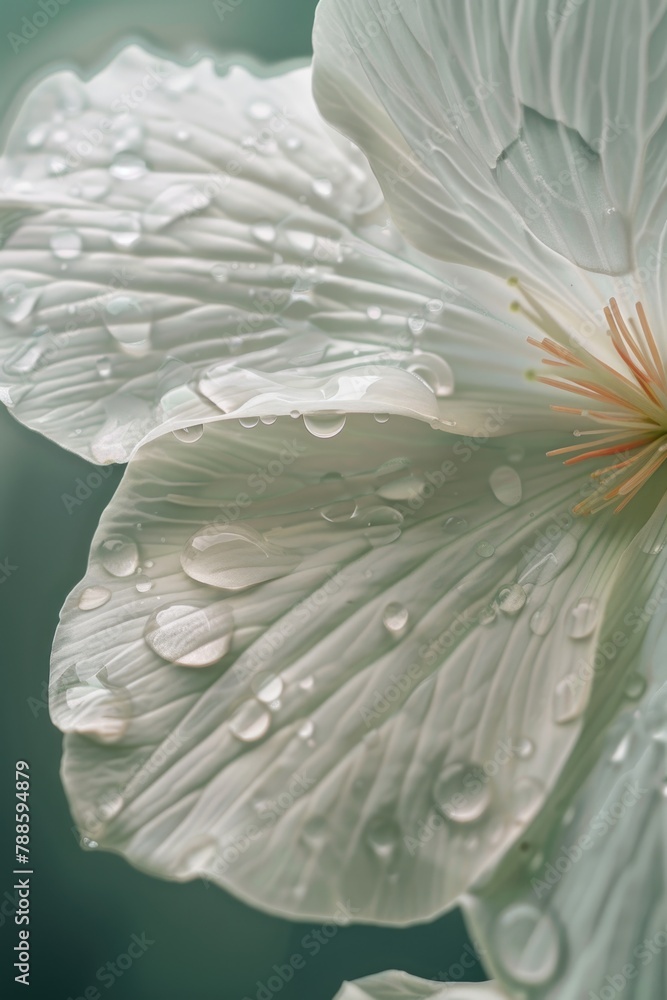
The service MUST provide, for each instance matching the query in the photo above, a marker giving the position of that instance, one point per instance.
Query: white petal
(216, 248)
(401, 986)
(558, 110)
(347, 667)
(582, 909)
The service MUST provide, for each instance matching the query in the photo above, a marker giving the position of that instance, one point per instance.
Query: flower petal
(213, 248)
(473, 112)
(401, 986)
(580, 907)
(354, 654)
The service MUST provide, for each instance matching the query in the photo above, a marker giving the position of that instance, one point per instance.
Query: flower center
(629, 400)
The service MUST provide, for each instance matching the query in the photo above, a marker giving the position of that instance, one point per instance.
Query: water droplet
(173, 203)
(511, 599)
(103, 366)
(88, 844)
(36, 136)
(267, 687)
(119, 555)
(527, 943)
(248, 422)
(127, 166)
(188, 435)
(570, 698)
(324, 425)
(505, 484)
(435, 306)
(542, 619)
(307, 683)
(190, 636)
(485, 549)
(306, 730)
(374, 313)
(66, 244)
(455, 525)
(341, 511)
(459, 794)
(582, 618)
(384, 836)
(93, 597)
(264, 232)
(124, 230)
(416, 323)
(527, 798)
(524, 747)
(233, 558)
(395, 618)
(17, 301)
(260, 111)
(621, 752)
(381, 418)
(435, 373)
(293, 142)
(405, 488)
(250, 722)
(101, 713)
(635, 686)
(24, 359)
(268, 419)
(125, 320)
(301, 240)
(182, 134)
(322, 187)
(143, 585)
(383, 525)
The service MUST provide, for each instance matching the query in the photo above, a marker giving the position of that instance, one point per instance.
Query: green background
(87, 905)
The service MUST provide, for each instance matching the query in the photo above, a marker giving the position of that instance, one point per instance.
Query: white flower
(339, 663)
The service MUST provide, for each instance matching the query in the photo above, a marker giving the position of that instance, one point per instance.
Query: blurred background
(199, 942)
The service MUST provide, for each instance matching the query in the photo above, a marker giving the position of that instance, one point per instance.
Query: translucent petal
(356, 672)
(401, 986)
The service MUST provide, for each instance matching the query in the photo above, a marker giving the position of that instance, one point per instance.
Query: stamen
(632, 420)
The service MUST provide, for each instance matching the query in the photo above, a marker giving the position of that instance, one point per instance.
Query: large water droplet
(460, 794)
(119, 555)
(634, 687)
(395, 618)
(190, 636)
(125, 320)
(66, 244)
(570, 698)
(250, 722)
(127, 166)
(505, 484)
(100, 713)
(264, 232)
(382, 524)
(582, 618)
(527, 944)
(324, 425)
(93, 597)
(511, 599)
(233, 558)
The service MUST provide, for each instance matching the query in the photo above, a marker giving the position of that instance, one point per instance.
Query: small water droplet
(511, 599)
(570, 698)
(542, 619)
(435, 373)
(582, 618)
(293, 142)
(264, 232)
(93, 597)
(267, 687)
(250, 722)
(66, 244)
(306, 730)
(527, 943)
(124, 230)
(635, 686)
(459, 794)
(127, 166)
(406, 488)
(382, 524)
(260, 111)
(314, 831)
(143, 584)
(341, 511)
(485, 549)
(384, 836)
(324, 425)
(182, 134)
(248, 422)
(416, 323)
(125, 320)
(322, 187)
(395, 618)
(103, 366)
(524, 747)
(505, 484)
(17, 301)
(190, 636)
(88, 844)
(36, 136)
(381, 418)
(24, 359)
(455, 525)
(119, 555)
(374, 313)
(188, 435)
(622, 749)
(307, 683)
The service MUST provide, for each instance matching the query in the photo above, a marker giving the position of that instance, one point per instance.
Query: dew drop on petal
(233, 557)
(569, 699)
(93, 597)
(383, 836)
(542, 619)
(583, 618)
(66, 244)
(459, 794)
(485, 549)
(322, 187)
(511, 599)
(127, 166)
(324, 425)
(395, 618)
(264, 232)
(455, 525)
(143, 584)
(267, 687)
(260, 111)
(188, 435)
(314, 831)
(374, 313)
(103, 367)
(635, 686)
(341, 511)
(250, 722)
(248, 422)
(527, 943)
(119, 555)
(306, 730)
(124, 230)
(190, 636)
(505, 484)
